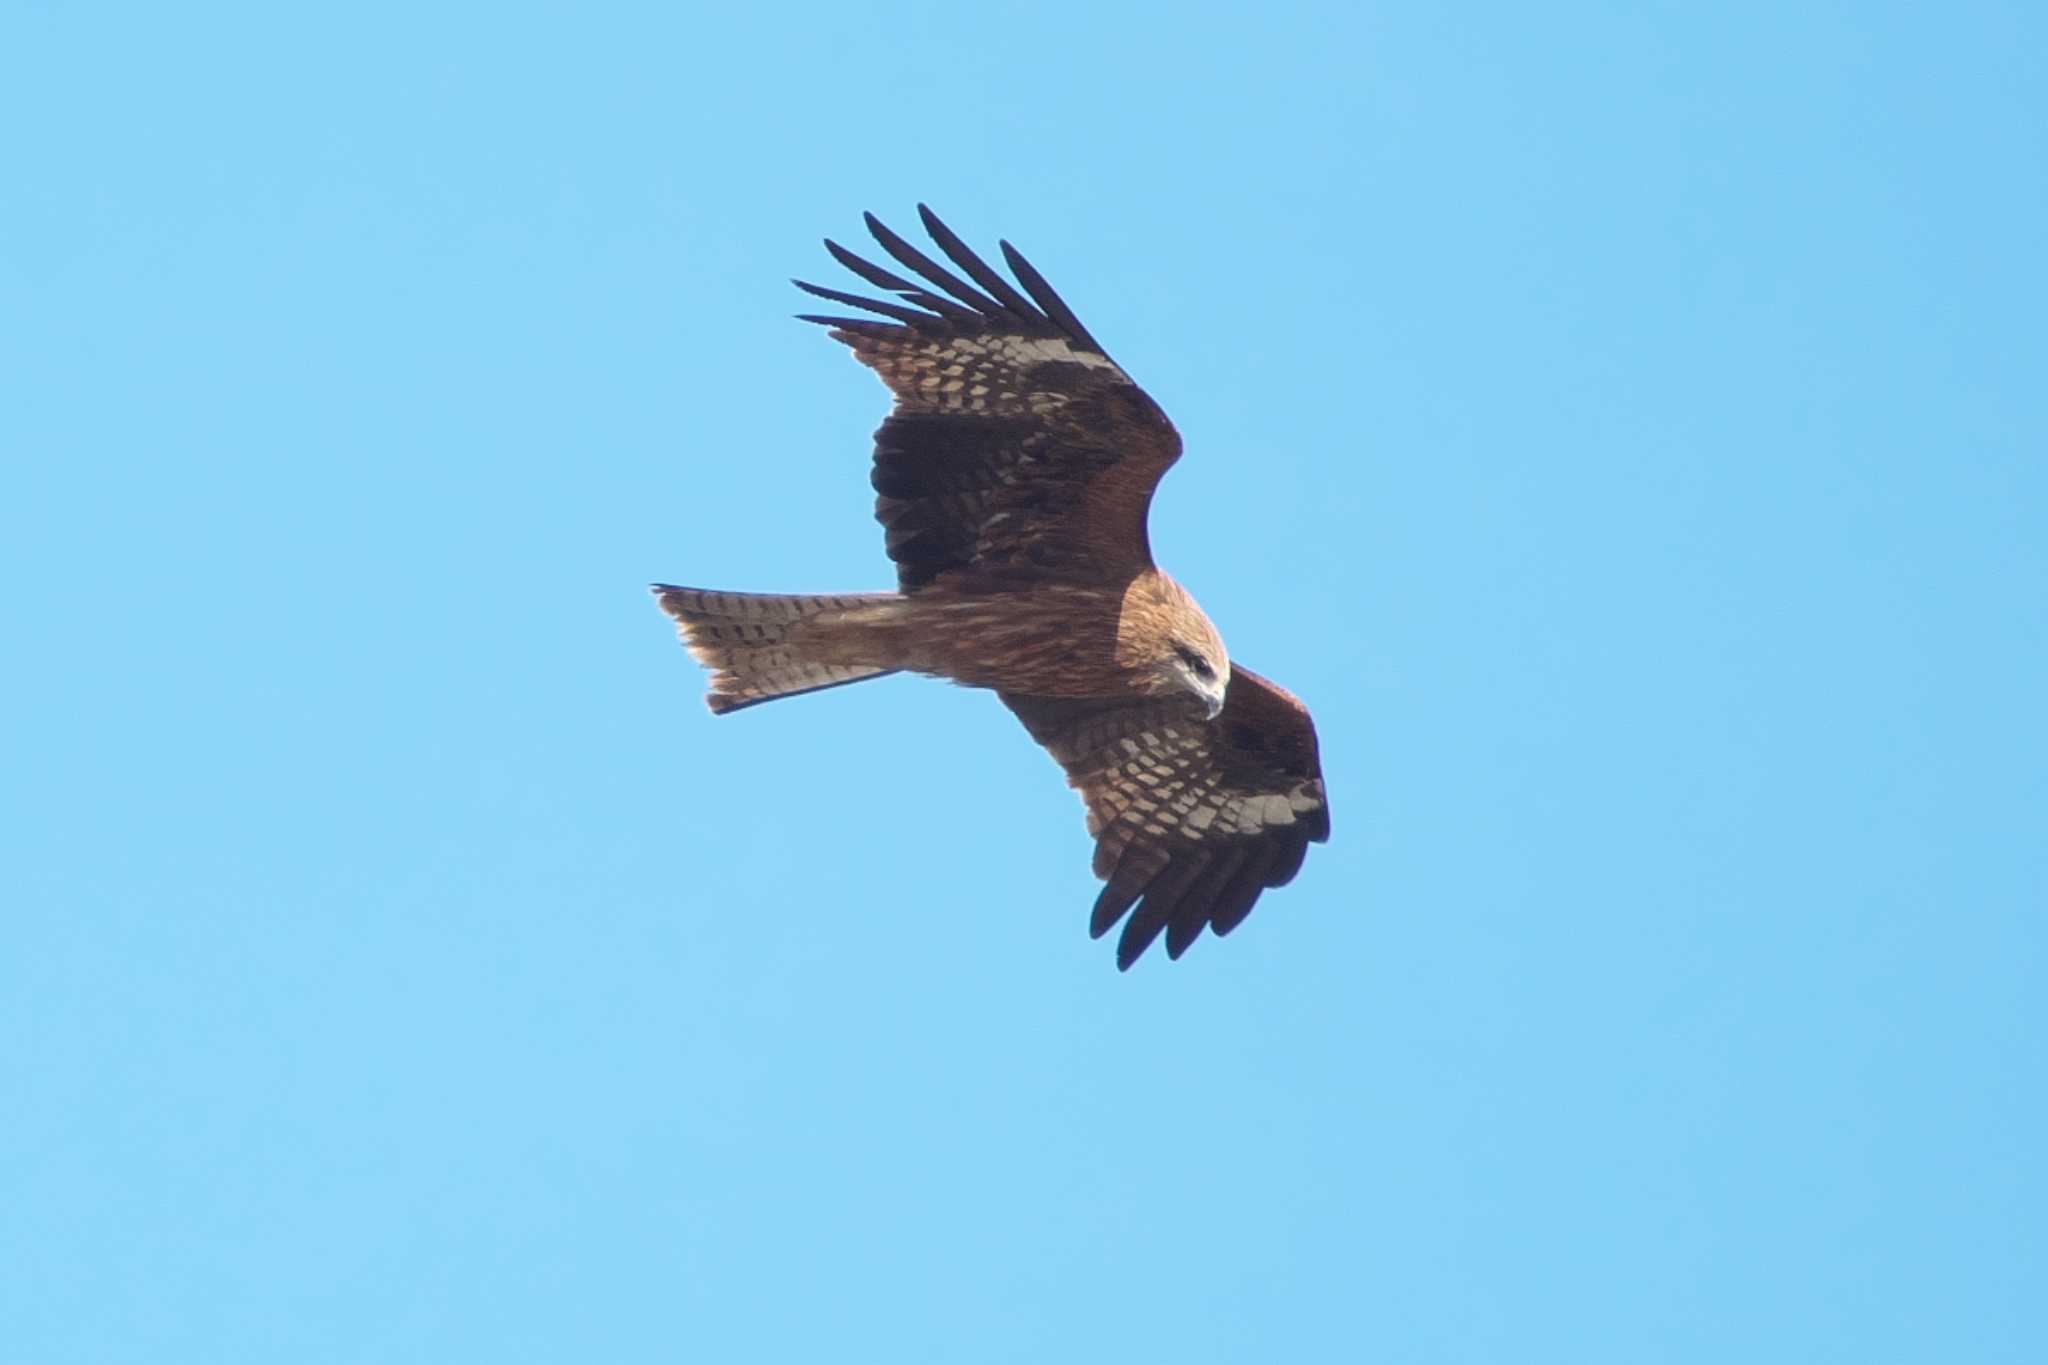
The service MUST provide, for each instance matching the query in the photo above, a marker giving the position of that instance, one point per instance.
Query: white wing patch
(1048, 350)
(982, 375)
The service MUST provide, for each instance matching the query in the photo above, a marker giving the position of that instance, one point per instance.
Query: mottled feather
(1014, 477)
(1017, 448)
(1192, 818)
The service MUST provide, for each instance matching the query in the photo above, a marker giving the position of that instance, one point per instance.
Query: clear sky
(1624, 424)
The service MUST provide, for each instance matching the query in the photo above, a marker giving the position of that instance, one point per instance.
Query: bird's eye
(1197, 665)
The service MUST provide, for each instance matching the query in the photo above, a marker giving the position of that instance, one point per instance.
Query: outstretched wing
(1192, 818)
(1017, 448)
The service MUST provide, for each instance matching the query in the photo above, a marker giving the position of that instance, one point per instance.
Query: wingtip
(839, 253)
(1176, 944)
(1139, 935)
(934, 225)
(1111, 904)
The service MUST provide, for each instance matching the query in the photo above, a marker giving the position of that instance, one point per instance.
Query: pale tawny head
(1169, 646)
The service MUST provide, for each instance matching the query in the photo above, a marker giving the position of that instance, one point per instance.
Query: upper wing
(1017, 447)
(1197, 817)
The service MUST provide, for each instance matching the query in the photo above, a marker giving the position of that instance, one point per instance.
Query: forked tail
(760, 646)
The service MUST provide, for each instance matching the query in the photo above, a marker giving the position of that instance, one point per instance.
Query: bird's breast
(1058, 641)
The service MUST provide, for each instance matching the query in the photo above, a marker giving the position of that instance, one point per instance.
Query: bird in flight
(1013, 480)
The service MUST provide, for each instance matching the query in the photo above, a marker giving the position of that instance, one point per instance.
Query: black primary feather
(1055, 307)
(977, 269)
(913, 259)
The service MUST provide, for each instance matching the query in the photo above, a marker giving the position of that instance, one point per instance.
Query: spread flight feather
(1013, 481)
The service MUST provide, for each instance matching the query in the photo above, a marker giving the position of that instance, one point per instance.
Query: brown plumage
(1013, 479)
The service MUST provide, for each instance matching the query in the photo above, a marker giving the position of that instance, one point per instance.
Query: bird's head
(1200, 667)
(1172, 648)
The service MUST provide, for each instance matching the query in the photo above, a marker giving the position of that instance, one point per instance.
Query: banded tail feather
(760, 646)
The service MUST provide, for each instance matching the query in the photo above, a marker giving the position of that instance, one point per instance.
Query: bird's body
(1051, 639)
(1014, 479)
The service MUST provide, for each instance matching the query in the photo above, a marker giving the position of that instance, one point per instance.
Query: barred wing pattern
(1017, 449)
(1193, 819)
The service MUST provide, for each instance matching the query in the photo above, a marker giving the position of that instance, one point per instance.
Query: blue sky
(1623, 424)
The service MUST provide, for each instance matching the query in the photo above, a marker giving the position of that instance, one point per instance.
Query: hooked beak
(1214, 701)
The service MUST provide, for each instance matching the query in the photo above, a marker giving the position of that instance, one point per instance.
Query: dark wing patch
(1017, 447)
(1192, 819)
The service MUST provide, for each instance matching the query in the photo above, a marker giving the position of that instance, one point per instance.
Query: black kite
(1014, 478)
